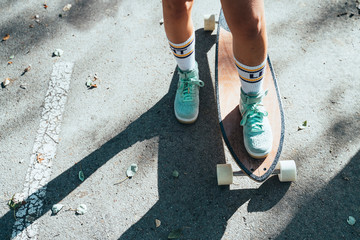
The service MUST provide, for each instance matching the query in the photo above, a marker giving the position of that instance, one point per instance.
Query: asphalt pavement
(54, 125)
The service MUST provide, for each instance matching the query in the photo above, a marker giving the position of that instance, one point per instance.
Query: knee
(176, 9)
(248, 27)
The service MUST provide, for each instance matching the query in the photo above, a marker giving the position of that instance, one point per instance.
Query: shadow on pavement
(325, 215)
(87, 12)
(192, 202)
(84, 14)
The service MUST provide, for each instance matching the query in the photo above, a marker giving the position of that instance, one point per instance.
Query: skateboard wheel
(224, 174)
(209, 22)
(287, 171)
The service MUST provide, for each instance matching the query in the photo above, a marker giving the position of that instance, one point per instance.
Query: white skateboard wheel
(224, 174)
(209, 22)
(288, 171)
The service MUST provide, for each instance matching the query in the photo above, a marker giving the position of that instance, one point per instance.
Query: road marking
(47, 138)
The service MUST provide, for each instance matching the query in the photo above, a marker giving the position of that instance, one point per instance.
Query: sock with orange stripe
(184, 53)
(251, 77)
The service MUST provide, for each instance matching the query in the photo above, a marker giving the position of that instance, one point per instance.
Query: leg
(246, 20)
(180, 33)
(177, 20)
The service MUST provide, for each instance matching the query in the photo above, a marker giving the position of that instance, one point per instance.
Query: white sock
(251, 77)
(184, 53)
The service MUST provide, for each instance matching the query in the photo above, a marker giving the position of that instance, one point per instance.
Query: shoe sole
(257, 156)
(186, 121)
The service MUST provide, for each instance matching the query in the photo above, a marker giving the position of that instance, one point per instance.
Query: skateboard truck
(286, 171)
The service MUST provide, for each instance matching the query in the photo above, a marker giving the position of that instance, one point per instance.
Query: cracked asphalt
(128, 118)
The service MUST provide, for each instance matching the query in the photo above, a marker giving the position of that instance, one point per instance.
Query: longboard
(228, 97)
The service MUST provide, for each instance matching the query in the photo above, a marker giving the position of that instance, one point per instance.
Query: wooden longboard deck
(228, 97)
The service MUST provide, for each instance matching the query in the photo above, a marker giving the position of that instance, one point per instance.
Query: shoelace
(187, 83)
(254, 113)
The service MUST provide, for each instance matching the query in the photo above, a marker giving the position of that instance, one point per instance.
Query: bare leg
(177, 19)
(180, 33)
(246, 20)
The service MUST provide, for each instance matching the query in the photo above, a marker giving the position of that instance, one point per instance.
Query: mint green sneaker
(256, 127)
(186, 103)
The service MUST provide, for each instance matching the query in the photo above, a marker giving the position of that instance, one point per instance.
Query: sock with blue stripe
(251, 77)
(184, 53)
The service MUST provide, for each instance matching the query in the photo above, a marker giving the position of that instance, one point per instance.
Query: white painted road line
(39, 171)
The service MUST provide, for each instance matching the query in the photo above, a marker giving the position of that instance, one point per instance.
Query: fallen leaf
(58, 53)
(81, 209)
(157, 223)
(12, 57)
(302, 126)
(6, 37)
(67, 7)
(10, 62)
(90, 82)
(81, 175)
(16, 201)
(351, 220)
(45, 6)
(175, 174)
(31, 26)
(56, 208)
(39, 158)
(27, 69)
(132, 170)
(6, 82)
(175, 234)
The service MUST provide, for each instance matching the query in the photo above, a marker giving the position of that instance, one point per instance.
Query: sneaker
(256, 127)
(186, 103)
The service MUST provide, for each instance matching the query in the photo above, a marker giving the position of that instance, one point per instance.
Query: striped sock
(184, 53)
(251, 77)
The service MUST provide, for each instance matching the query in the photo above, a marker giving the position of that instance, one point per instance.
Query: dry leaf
(56, 208)
(6, 82)
(10, 62)
(39, 158)
(6, 37)
(351, 220)
(58, 52)
(27, 69)
(90, 83)
(45, 6)
(81, 209)
(157, 223)
(67, 7)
